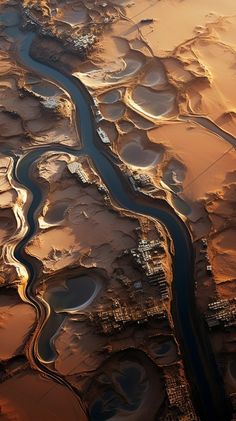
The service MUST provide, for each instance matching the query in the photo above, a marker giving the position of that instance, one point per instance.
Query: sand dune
(82, 213)
(185, 69)
(151, 65)
(24, 113)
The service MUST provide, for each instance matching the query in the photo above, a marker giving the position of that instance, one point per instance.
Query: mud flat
(153, 104)
(136, 151)
(79, 293)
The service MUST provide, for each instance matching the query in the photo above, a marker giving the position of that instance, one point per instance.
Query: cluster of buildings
(97, 113)
(179, 399)
(203, 252)
(147, 257)
(233, 400)
(135, 286)
(121, 315)
(51, 103)
(77, 169)
(81, 42)
(77, 41)
(103, 136)
(140, 181)
(99, 117)
(221, 313)
(30, 20)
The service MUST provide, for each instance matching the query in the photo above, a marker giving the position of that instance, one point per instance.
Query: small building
(98, 116)
(209, 270)
(138, 285)
(76, 168)
(212, 322)
(103, 136)
(97, 113)
(150, 20)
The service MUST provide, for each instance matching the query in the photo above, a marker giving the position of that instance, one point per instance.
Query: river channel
(203, 374)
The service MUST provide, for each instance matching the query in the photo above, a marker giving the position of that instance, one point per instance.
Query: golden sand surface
(29, 396)
(76, 227)
(13, 199)
(152, 70)
(139, 86)
(161, 74)
(33, 111)
(86, 233)
(153, 66)
(77, 234)
(145, 77)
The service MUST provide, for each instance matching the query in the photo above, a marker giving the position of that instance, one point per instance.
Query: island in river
(92, 309)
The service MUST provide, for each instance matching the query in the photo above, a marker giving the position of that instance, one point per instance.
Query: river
(203, 374)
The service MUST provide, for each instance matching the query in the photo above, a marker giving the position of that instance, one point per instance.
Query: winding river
(203, 374)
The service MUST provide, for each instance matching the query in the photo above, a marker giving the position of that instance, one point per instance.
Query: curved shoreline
(210, 126)
(210, 392)
(21, 170)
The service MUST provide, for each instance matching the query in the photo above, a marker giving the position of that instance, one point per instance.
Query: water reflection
(75, 294)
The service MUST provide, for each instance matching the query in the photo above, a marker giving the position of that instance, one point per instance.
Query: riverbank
(174, 225)
(119, 190)
(181, 153)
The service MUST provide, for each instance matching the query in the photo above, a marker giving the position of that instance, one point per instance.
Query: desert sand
(13, 200)
(33, 111)
(79, 236)
(17, 318)
(77, 212)
(162, 73)
(29, 396)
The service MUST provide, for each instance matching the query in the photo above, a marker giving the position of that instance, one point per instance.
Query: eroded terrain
(163, 100)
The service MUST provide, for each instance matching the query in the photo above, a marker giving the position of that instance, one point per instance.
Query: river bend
(203, 374)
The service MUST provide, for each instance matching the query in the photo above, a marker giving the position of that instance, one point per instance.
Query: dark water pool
(77, 292)
(124, 393)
